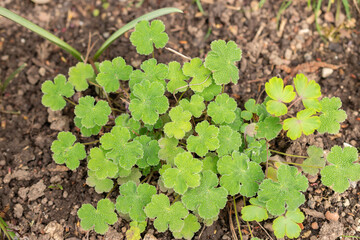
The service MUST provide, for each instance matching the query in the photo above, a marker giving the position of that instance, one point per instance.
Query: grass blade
(130, 25)
(11, 77)
(40, 31)
(347, 8)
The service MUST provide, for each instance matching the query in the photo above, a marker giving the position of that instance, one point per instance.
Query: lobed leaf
(124, 120)
(169, 149)
(288, 225)
(304, 122)
(185, 175)
(308, 91)
(284, 194)
(229, 139)
(222, 110)
(279, 95)
(86, 132)
(134, 176)
(111, 72)
(191, 226)
(315, 161)
(269, 128)
(254, 212)
(195, 106)
(80, 74)
(237, 123)
(125, 153)
(177, 78)
(97, 218)
(207, 199)
(180, 123)
(257, 151)
(152, 72)
(65, 151)
(148, 102)
(166, 215)
(148, 34)
(343, 169)
(221, 61)
(331, 115)
(55, 91)
(207, 139)
(201, 76)
(210, 92)
(101, 185)
(133, 199)
(151, 150)
(239, 175)
(250, 107)
(92, 115)
(210, 162)
(103, 167)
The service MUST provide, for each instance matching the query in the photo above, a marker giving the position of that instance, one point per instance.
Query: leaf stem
(182, 95)
(116, 110)
(175, 199)
(237, 219)
(69, 101)
(177, 53)
(297, 164)
(286, 154)
(294, 102)
(108, 195)
(92, 83)
(10, 112)
(93, 142)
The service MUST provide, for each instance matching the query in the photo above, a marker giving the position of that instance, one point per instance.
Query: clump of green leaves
(178, 159)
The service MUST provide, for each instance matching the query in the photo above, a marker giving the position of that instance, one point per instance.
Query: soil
(39, 199)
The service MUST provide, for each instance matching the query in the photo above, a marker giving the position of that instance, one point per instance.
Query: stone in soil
(36, 190)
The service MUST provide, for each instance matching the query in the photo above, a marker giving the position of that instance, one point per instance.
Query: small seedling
(5, 83)
(180, 147)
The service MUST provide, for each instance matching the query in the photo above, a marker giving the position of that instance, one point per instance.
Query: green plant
(60, 43)
(5, 231)
(5, 83)
(195, 144)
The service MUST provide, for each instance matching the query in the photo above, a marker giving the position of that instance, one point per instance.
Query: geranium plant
(179, 148)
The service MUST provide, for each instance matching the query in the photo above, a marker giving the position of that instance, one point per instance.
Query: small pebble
(326, 72)
(288, 54)
(315, 225)
(346, 203)
(42, 71)
(332, 216)
(306, 234)
(65, 194)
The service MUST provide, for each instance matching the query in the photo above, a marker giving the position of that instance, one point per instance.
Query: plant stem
(115, 186)
(176, 198)
(116, 110)
(182, 95)
(92, 83)
(294, 102)
(177, 53)
(237, 219)
(69, 101)
(10, 112)
(93, 142)
(286, 154)
(296, 164)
